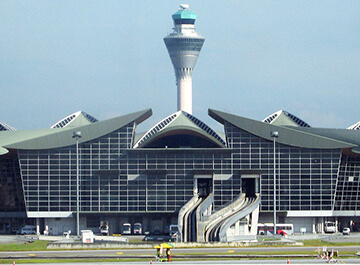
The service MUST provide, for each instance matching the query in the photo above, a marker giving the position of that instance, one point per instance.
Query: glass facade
(176, 44)
(116, 178)
(12, 198)
(49, 176)
(348, 185)
(306, 178)
(184, 21)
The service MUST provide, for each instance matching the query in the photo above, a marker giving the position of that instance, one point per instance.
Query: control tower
(184, 46)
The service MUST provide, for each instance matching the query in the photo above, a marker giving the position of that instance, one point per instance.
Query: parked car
(28, 230)
(346, 231)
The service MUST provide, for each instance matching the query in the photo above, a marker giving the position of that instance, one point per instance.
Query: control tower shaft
(184, 46)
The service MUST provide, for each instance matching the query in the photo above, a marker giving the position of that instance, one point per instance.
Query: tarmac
(337, 237)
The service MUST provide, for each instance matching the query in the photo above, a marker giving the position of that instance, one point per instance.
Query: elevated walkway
(215, 220)
(237, 221)
(229, 229)
(183, 217)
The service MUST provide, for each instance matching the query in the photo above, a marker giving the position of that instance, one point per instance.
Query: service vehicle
(330, 227)
(137, 229)
(126, 229)
(104, 228)
(281, 229)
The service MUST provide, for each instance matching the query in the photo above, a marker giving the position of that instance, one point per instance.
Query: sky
(107, 58)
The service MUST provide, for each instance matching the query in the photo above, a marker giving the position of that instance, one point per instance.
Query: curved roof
(283, 117)
(305, 137)
(61, 137)
(5, 127)
(74, 120)
(182, 123)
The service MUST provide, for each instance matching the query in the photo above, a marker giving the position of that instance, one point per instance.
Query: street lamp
(77, 135)
(274, 135)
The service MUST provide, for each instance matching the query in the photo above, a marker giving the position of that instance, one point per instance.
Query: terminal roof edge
(306, 137)
(61, 137)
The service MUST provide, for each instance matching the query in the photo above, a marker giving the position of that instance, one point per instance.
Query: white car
(346, 231)
(28, 230)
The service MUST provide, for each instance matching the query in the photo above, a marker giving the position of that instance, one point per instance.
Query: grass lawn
(41, 246)
(319, 242)
(36, 261)
(35, 246)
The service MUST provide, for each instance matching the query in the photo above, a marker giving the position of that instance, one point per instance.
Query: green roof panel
(306, 137)
(184, 14)
(61, 137)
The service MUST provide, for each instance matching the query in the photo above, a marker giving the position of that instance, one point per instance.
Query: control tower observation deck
(184, 46)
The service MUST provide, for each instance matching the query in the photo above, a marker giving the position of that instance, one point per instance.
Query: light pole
(274, 135)
(77, 135)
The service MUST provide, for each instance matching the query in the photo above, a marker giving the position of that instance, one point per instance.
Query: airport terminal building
(216, 186)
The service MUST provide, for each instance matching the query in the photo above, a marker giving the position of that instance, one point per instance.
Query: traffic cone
(288, 261)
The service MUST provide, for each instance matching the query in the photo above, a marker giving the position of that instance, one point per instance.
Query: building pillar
(38, 226)
(314, 225)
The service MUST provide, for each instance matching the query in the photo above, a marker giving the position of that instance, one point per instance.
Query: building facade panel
(348, 185)
(306, 178)
(116, 178)
(49, 175)
(10, 186)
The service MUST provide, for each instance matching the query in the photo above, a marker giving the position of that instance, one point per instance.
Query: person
(46, 231)
(157, 254)
(168, 254)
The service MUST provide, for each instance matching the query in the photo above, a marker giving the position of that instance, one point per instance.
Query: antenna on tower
(184, 6)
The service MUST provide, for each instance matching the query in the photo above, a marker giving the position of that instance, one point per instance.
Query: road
(212, 262)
